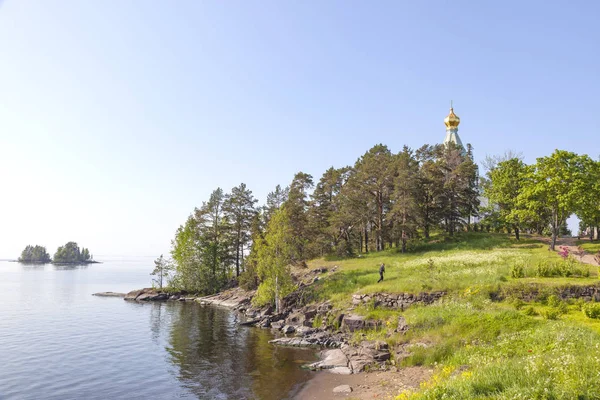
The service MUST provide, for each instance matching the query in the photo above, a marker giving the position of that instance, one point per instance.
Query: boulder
(342, 389)
(341, 371)
(288, 329)
(134, 294)
(402, 325)
(277, 325)
(304, 330)
(147, 294)
(353, 322)
(331, 359)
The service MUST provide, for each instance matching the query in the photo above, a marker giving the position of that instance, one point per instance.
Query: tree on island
(35, 254)
(70, 253)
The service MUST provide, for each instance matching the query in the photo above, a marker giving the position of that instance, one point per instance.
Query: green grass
(479, 348)
(590, 247)
(478, 260)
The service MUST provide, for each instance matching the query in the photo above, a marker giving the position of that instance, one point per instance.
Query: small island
(35, 255)
(70, 253)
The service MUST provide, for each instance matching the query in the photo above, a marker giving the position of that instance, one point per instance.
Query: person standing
(381, 271)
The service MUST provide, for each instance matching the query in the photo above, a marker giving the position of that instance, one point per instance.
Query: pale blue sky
(118, 117)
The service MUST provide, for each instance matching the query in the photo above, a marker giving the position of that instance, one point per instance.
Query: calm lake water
(57, 341)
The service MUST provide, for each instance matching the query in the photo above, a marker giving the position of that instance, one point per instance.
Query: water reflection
(217, 359)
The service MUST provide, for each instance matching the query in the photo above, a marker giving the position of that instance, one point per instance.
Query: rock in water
(109, 294)
(342, 389)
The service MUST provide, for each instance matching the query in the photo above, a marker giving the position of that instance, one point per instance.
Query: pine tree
(239, 209)
(404, 197)
(374, 176)
(297, 207)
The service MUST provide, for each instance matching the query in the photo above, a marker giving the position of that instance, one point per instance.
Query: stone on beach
(342, 389)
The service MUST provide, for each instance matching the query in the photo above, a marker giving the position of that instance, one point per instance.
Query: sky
(117, 118)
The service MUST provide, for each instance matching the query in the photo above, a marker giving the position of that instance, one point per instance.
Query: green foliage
(274, 254)
(71, 253)
(239, 212)
(506, 181)
(530, 311)
(591, 310)
(517, 270)
(553, 300)
(518, 303)
(550, 313)
(34, 254)
(162, 270)
(248, 279)
(201, 249)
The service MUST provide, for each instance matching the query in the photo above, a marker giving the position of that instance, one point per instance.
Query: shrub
(518, 303)
(248, 279)
(543, 270)
(550, 313)
(317, 321)
(517, 271)
(562, 308)
(591, 310)
(580, 303)
(553, 300)
(530, 311)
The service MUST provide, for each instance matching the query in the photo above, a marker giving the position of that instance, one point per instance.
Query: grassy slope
(480, 348)
(590, 247)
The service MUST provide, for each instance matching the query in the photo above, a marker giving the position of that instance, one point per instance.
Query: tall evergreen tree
(202, 249)
(275, 199)
(404, 197)
(430, 183)
(374, 176)
(324, 205)
(239, 210)
(297, 209)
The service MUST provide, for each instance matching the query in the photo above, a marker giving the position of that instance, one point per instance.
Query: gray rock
(277, 325)
(288, 329)
(109, 294)
(332, 359)
(341, 371)
(342, 389)
(353, 322)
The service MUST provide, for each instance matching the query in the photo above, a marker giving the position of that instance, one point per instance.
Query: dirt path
(579, 254)
(374, 385)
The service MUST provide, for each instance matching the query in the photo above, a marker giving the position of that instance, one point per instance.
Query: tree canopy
(34, 254)
(71, 253)
(383, 201)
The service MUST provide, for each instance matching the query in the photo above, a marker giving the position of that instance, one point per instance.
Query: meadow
(482, 339)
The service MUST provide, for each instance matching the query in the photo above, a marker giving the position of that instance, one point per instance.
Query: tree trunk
(380, 222)
(360, 249)
(237, 255)
(517, 232)
(555, 227)
(366, 240)
(403, 242)
(426, 229)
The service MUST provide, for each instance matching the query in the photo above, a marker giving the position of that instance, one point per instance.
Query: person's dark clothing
(381, 271)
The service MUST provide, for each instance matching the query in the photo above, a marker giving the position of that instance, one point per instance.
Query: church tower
(452, 121)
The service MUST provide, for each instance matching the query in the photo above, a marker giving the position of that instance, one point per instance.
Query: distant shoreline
(55, 263)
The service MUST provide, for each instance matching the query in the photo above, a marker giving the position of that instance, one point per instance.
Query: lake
(57, 341)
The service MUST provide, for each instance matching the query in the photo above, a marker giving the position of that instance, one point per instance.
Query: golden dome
(452, 120)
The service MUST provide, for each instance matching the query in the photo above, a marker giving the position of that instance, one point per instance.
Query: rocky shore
(297, 324)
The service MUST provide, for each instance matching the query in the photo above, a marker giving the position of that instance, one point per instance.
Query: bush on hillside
(592, 310)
